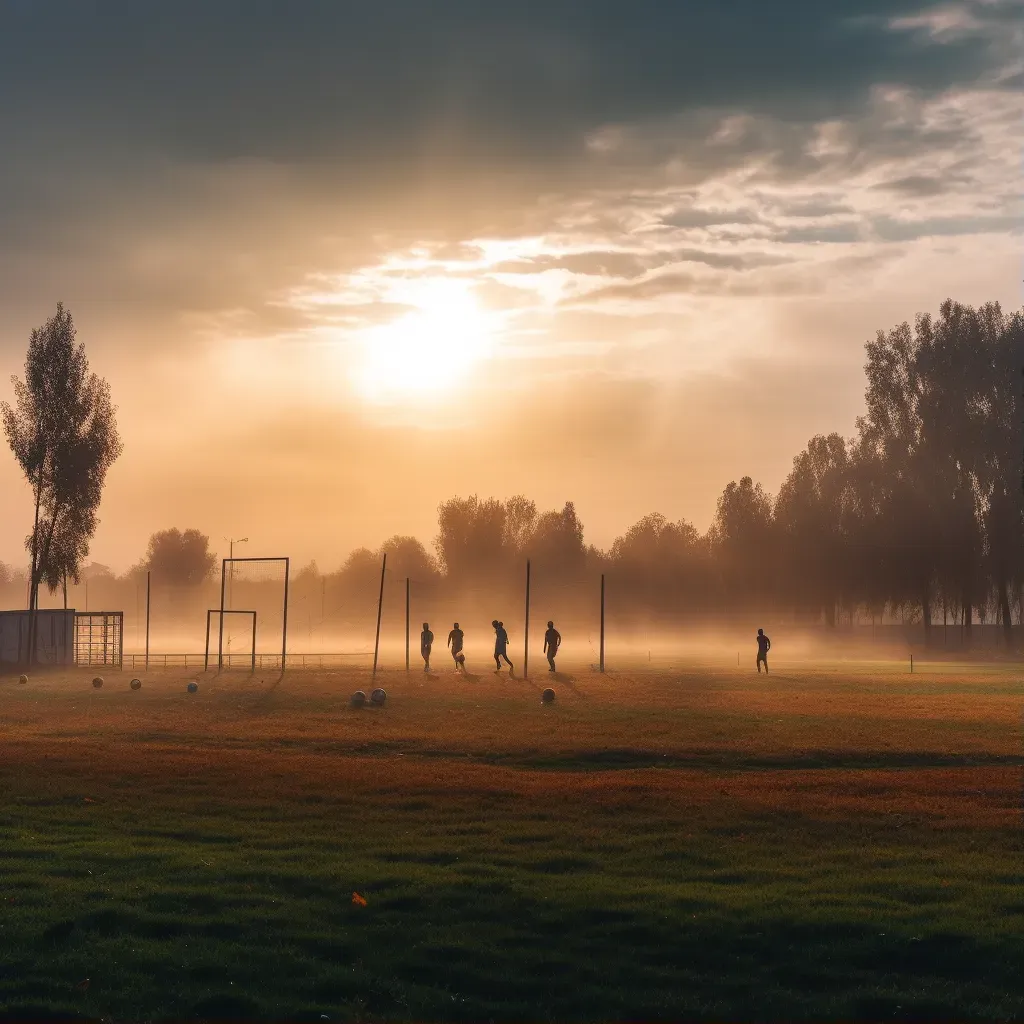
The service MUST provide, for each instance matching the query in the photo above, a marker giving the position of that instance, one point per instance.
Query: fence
(263, 661)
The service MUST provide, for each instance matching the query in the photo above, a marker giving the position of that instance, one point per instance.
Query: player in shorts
(500, 645)
(764, 645)
(455, 639)
(426, 643)
(552, 641)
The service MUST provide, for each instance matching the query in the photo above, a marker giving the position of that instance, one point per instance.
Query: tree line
(918, 514)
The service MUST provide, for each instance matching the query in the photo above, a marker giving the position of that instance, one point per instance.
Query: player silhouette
(552, 641)
(500, 645)
(764, 645)
(426, 643)
(455, 639)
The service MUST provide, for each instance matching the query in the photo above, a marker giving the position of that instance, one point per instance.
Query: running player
(500, 645)
(455, 640)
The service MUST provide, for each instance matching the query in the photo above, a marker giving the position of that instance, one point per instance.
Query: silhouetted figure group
(457, 640)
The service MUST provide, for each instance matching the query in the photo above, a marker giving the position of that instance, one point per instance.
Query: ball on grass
(548, 696)
(136, 684)
(193, 687)
(23, 679)
(379, 695)
(358, 699)
(98, 682)
(460, 658)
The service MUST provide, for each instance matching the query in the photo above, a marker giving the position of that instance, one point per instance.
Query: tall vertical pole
(220, 626)
(147, 623)
(526, 628)
(380, 605)
(602, 622)
(407, 583)
(284, 614)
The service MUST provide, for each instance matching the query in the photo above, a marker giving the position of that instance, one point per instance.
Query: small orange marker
(358, 900)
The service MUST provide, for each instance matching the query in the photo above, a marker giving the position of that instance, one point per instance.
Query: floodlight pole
(406, 623)
(602, 623)
(147, 623)
(526, 628)
(380, 605)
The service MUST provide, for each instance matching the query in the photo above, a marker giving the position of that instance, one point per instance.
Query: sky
(341, 261)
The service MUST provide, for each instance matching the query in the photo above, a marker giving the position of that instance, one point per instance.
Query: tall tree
(179, 558)
(62, 431)
(814, 512)
(743, 538)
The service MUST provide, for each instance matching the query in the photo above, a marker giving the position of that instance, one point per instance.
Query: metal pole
(147, 624)
(602, 622)
(406, 623)
(253, 641)
(284, 623)
(206, 657)
(380, 605)
(526, 628)
(220, 625)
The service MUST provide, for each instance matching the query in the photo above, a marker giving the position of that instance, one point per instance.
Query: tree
(407, 557)
(743, 540)
(180, 559)
(814, 512)
(62, 431)
(557, 542)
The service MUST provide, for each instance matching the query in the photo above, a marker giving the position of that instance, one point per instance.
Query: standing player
(500, 646)
(426, 643)
(764, 645)
(552, 641)
(455, 638)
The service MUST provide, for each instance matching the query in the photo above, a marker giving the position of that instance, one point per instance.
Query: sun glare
(428, 350)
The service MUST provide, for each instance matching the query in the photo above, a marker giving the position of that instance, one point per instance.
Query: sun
(430, 349)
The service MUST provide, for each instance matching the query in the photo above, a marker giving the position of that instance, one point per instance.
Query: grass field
(842, 842)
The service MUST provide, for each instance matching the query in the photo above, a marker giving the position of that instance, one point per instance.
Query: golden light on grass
(429, 351)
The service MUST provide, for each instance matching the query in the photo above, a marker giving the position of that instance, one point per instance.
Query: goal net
(260, 586)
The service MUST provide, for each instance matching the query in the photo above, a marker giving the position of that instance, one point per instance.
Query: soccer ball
(548, 696)
(460, 658)
(136, 684)
(98, 682)
(379, 695)
(358, 699)
(193, 687)
(23, 679)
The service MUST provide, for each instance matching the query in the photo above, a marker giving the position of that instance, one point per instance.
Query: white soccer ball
(136, 684)
(379, 695)
(358, 699)
(548, 696)
(23, 679)
(98, 682)
(193, 687)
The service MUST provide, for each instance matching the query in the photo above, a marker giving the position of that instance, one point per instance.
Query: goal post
(258, 585)
(210, 612)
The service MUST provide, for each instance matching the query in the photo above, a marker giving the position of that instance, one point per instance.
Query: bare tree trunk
(33, 593)
(926, 613)
(1004, 608)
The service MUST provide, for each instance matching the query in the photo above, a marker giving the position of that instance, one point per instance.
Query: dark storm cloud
(397, 81)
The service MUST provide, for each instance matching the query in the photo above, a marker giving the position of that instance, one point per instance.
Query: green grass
(197, 860)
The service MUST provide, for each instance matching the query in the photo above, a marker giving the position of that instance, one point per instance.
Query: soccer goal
(259, 587)
(210, 612)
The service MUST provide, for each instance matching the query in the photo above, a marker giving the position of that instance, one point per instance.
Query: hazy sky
(342, 260)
